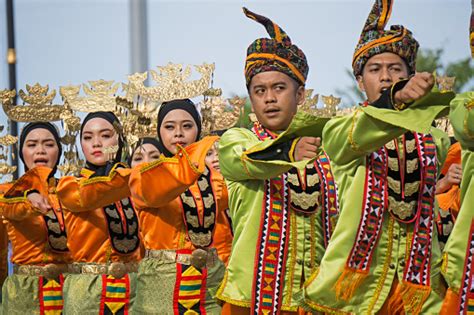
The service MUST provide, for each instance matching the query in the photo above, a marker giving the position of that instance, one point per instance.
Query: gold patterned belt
(199, 258)
(116, 269)
(49, 271)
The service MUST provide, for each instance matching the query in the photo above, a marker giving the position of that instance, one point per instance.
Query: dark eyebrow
(173, 121)
(101, 130)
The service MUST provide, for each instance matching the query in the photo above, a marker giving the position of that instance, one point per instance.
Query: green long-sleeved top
(456, 250)
(245, 176)
(348, 140)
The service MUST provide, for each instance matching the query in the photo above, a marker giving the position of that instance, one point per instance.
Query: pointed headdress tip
(273, 29)
(378, 16)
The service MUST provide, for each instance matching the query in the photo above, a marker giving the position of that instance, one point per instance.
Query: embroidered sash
(329, 199)
(51, 295)
(272, 243)
(466, 291)
(200, 229)
(416, 279)
(302, 193)
(54, 222)
(122, 224)
(190, 289)
(115, 299)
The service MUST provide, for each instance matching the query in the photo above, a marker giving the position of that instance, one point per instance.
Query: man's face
(379, 73)
(275, 98)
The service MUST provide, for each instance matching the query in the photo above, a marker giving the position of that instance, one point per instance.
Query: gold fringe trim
(349, 281)
(395, 302)
(413, 296)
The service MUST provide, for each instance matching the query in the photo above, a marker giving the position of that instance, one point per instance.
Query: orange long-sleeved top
(156, 188)
(36, 239)
(3, 239)
(101, 222)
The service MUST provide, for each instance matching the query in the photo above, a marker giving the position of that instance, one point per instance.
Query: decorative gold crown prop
(37, 104)
(172, 83)
(445, 83)
(100, 96)
(218, 113)
(310, 105)
(6, 142)
(138, 119)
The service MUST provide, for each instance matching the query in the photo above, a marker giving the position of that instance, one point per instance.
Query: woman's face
(97, 135)
(178, 127)
(212, 158)
(40, 149)
(144, 154)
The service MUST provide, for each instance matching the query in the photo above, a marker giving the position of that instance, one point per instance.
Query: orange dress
(100, 233)
(3, 241)
(182, 207)
(104, 240)
(155, 186)
(36, 239)
(39, 246)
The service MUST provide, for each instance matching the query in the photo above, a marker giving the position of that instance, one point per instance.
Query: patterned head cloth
(471, 35)
(375, 39)
(274, 54)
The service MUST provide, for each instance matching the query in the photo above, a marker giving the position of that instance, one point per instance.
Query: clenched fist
(307, 148)
(39, 203)
(418, 86)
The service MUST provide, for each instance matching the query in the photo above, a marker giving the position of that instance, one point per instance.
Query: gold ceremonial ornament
(172, 82)
(6, 142)
(117, 270)
(138, 119)
(445, 124)
(310, 105)
(445, 83)
(110, 152)
(199, 258)
(37, 104)
(100, 96)
(218, 113)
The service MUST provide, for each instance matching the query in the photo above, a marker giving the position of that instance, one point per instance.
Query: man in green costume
(384, 255)
(282, 217)
(458, 258)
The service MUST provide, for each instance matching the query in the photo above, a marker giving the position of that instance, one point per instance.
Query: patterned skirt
(99, 294)
(166, 285)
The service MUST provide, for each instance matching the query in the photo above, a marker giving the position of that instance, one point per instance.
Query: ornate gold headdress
(138, 118)
(172, 83)
(37, 104)
(100, 96)
(310, 105)
(138, 109)
(445, 83)
(219, 113)
(6, 142)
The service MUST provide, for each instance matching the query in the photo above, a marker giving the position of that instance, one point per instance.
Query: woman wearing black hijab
(181, 204)
(146, 150)
(102, 223)
(35, 224)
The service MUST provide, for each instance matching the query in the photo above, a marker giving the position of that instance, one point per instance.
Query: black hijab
(113, 120)
(149, 140)
(40, 125)
(188, 106)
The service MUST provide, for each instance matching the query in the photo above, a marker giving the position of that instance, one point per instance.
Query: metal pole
(138, 36)
(11, 59)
